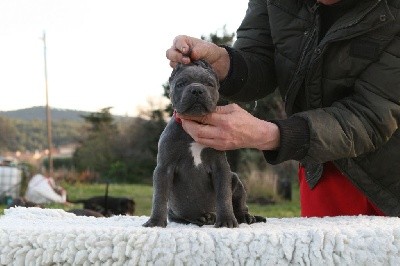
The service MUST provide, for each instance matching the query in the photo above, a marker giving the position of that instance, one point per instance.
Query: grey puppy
(193, 183)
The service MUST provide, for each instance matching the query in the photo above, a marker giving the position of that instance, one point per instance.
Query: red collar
(177, 119)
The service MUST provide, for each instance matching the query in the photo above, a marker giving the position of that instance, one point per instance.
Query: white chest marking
(195, 149)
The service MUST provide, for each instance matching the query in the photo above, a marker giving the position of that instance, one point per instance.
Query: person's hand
(186, 49)
(231, 127)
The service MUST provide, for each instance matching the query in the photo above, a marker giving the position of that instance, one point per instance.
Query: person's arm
(251, 73)
(352, 126)
(294, 136)
(365, 120)
(252, 76)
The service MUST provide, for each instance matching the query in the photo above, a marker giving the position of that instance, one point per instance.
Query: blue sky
(100, 53)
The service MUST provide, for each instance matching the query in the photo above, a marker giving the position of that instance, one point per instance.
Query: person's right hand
(231, 127)
(186, 49)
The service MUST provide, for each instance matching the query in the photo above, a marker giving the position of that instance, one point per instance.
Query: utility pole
(48, 114)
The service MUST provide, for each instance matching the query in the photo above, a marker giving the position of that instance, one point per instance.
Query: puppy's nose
(197, 91)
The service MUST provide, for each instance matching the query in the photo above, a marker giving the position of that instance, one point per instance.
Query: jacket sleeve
(363, 121)
(252, 74)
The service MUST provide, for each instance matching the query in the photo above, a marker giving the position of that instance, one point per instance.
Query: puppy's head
(194, 88)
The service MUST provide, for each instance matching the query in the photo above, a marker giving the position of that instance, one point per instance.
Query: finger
(208, 119)
(227, 109)
(207, 135)
(197, 131)
(197, 53)
(191, 127)
(191, 47)
(176, 56)
(173, 64)
(199, 119)
(182, 44)
(213, 118)
(203, 50)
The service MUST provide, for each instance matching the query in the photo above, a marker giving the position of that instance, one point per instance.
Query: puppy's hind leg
(240, 208)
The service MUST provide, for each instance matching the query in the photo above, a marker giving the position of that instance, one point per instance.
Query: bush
(60, 163)
(265, 181)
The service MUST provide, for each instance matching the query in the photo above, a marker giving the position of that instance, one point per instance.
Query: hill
(39, 113)
(26, 129)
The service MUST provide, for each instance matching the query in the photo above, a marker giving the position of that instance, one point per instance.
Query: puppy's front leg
(223, 188)
(162, 181)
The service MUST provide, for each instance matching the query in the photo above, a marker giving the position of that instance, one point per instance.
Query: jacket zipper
(313, 10)
(357, 20)
(305, 50)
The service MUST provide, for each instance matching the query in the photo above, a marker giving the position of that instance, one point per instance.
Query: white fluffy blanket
(33, 236)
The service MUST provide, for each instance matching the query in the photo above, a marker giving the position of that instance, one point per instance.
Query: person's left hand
(231, 127)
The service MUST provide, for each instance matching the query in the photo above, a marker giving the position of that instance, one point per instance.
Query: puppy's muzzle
(197, 90)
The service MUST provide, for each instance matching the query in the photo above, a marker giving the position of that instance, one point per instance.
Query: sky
(100, 53)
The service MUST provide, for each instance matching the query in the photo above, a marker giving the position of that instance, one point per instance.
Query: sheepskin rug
(34, 236)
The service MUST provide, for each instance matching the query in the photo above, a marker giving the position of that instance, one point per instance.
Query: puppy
(108, 206)
(193, 183)
(86, 212)
(22, 202)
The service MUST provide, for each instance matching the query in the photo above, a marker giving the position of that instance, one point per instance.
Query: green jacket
(341, 90)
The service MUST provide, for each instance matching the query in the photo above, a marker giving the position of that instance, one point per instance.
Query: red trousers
(334, 195)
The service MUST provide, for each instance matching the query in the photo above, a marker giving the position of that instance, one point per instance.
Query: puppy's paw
(260, 219)
(250, 219)
(155, 223)
(206, 219)
(246, 218)
(229, 222)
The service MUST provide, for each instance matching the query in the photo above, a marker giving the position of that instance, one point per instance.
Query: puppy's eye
(180, 84)
(209, 84)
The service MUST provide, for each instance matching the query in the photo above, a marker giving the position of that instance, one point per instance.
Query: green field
(142, 195)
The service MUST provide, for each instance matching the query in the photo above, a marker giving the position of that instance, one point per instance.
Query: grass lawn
(142, 195)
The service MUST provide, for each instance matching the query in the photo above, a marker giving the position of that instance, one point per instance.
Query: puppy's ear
(174, 71)
(204, 64)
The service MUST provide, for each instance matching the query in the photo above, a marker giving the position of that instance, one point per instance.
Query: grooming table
(34, 236)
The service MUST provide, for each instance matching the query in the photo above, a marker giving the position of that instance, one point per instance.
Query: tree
(7, 134)
(30, 135)
(220, 37)
(139, 145)
(120, 153)
(100, 120)
(97, 150)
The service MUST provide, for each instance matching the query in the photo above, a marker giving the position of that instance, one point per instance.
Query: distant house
(65, 151)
